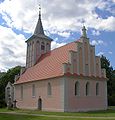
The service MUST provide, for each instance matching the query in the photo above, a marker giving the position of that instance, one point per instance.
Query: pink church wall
(63, 95)
(83, 102)
(52, 102)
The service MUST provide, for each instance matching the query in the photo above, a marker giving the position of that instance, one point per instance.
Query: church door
(39, 104)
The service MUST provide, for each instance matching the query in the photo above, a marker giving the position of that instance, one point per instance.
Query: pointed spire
(84, 34)
(39, 11)
(39, 27)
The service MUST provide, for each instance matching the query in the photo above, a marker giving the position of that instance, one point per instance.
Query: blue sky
(62, 21)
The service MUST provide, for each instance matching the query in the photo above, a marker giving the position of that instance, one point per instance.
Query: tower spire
(84, 34)
(39, 11)
(39, 28)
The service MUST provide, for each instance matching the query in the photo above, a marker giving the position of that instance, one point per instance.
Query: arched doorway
(39, 103)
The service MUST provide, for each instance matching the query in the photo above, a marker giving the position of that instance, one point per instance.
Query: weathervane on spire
(39, 11)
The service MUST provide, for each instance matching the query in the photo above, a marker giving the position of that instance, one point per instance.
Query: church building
(66, 79)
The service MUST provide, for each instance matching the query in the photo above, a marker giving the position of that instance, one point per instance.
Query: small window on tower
(42, 46)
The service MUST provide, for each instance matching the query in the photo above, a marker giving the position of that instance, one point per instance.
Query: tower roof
(39, 31)
(39, 28)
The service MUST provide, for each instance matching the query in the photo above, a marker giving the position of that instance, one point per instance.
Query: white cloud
(113, 1)
(18, 13)
(110, 52)
(59, 15)
(100, 53)
(97, 42)
(100, 42)
(12, 48)
(55, 44)
(64, 34)
(95, 33)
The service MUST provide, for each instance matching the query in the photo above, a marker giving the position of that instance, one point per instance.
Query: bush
(111, 100)
(2, 104)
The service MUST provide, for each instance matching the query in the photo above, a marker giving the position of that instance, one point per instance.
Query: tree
(1, 74)
(4, 79)
(105, 63)
(112, 97)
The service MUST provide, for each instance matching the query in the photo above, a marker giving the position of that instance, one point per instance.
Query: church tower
(37, 44)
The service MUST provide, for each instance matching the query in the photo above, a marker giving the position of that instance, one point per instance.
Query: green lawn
(90, 114)
(31, 115)
(28, 117)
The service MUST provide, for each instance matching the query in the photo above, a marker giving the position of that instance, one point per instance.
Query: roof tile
(49, 64)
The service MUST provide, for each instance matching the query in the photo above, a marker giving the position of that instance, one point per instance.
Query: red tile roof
(49, 64)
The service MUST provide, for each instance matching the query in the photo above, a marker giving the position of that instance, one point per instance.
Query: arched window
(97, 89)
(32, 46)
(8, 91)
(77, 88)
(37, 42)
(87, 88)
(33, 90)
(30, 51)
(49, 89)
(42, 46)
(37, 48)
(47, 44)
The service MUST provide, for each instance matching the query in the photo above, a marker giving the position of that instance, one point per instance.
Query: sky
(62, 21)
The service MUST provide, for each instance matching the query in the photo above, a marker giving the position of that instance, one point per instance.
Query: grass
(105, 113)
(28, 117)
(15, 117)
(96, 115)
